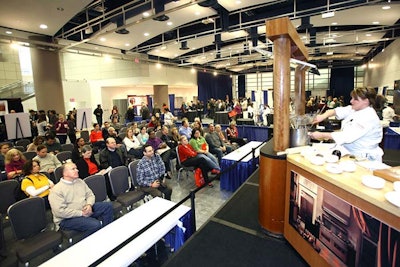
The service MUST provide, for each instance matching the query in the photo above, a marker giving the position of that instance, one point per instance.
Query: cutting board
(391, 174)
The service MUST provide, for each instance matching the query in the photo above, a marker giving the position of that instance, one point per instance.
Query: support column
(160, 95)
(46, 70)
(299, 90)
(282, 48)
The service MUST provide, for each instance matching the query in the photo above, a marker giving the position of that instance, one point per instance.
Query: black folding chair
(28, 222)
(97, 184)
(119, 180)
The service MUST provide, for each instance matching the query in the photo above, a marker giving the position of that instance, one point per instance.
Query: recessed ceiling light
(103, 39)
(157, 51)
(43, 26)
(169, 23)
(197, 13)
(368, 35)
(334, 23)
(386, 7)
(146, 14)
(9, 32)
(238, 2)
(375, 22)
(127, 44)
(146, 34)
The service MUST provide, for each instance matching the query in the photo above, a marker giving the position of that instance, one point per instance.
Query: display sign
(341, 233)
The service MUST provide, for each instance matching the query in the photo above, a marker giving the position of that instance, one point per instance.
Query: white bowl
(331, 158)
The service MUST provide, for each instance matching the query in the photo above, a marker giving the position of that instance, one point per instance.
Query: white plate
(348, 166)
(331, 158)
(393, 197)
(334, 168)
(373, 181)
(316, 160)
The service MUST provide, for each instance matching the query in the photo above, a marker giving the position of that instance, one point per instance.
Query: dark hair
(145, 146)
(28, 166)
(40, 147)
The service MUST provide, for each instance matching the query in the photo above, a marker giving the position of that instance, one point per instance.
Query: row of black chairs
(22, 145)
(29, 220)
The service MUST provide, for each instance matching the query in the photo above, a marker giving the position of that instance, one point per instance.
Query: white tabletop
(103, 241)
(243, 150)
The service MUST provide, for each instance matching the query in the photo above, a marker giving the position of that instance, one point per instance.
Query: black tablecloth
(245, 122)
(221, 117)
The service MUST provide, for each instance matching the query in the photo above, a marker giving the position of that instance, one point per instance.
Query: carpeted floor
(242, 208)
(233, 237)
(220, 245)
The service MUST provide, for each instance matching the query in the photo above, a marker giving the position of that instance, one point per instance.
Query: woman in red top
(96, 137)
(87, 164)
(188, 157)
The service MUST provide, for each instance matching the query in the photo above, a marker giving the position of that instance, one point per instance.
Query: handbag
(198, 178)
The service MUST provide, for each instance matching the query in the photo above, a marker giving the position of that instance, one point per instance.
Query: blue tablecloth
(253, 133)
(392, 139)
(236, 176)
(178, 235)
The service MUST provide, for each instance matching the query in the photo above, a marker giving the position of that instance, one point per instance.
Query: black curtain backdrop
(241, 85)
(342, 82)
(210, 86)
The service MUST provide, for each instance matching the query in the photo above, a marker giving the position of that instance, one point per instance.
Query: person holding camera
(150, 174)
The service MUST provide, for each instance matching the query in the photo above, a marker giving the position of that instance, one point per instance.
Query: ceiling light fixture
(328, 13)
(43, 26)
(386, 7)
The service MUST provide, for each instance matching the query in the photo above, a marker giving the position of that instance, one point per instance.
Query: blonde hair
(10, 154)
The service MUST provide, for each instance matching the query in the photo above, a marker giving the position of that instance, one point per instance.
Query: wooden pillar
(281, 92)
(287, 44)
(299, 90)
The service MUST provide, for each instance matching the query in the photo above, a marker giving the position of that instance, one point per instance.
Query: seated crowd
(154, 144)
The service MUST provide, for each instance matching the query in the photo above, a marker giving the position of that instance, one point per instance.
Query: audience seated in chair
(161, 149)
(77, 151)
(87, 164)
(185, 129)
(200, 145)
(233, 134)
(143, 136)
(151, 173)
(188, 157)
(14, 161)
(52, 145)
(111, 156)
(132, 144)
(216, 145)
(36, 183)
(38, 140)
(4, 147)
(223, 137)
(48, 161)
(73, 204)
(96, 137)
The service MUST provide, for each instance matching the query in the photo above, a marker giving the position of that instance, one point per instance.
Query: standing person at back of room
(98, 112)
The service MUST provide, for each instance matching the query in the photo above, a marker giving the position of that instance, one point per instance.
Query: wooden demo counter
(334, 219)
